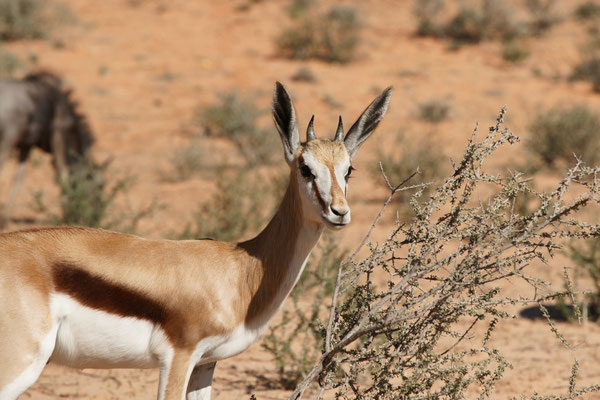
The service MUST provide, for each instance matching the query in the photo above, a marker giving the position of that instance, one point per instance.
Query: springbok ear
(367, 122)
(285, 121)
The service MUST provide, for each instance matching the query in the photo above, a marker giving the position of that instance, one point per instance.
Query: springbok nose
(339, 211)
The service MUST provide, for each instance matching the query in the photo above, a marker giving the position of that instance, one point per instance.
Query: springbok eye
(349, 172)
(306, 172)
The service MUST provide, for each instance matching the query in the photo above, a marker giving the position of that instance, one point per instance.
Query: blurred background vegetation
(186, 148)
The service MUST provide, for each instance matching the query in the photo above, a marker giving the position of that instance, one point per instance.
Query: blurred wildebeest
(38, 112)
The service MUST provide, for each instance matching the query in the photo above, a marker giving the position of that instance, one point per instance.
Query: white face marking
(323, 181)
(341, 170)
(322, 175)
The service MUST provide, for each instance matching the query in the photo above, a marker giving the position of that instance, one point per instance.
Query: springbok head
(322, 166)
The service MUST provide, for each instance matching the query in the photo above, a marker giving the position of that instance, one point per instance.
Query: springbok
(38, 112)
(90, 298)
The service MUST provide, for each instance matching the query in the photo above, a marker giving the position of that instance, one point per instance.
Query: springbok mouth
(335, 225)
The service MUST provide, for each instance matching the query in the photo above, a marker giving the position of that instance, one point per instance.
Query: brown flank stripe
(95, 292)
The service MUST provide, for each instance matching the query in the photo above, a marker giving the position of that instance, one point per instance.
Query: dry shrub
(542, 16)
(587, 11)
(304, 74)
(402, 160)
(245, 195)
(234, 117)
(562, 134)
(426, 12)
(514, 51)
(9, 64)
(434, 110)
(88, 198)
(299, 8)
(330, 37)
(588, 70)
(31, 19)
(187, 161)
(22, 19)
(400, 339)
(489, 20)
(242, 204)
(484, 20)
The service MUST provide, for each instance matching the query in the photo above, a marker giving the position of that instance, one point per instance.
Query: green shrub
(234, 117)
(470, 25)
(87, 196)
(426, 12)
(186, 162)
(32, 19)
(492, 20)
(586, 257)
(299, 8)
(332, 102)
(304, 75)
(434, 110)
(482, 21)
(259, 147)
(22, 19)
(587, 11)
(240, 206)
(465, 27)
(562, 132)
(588, 70)
(542, 16)
(9, 64)
(330, 37)
(514, 52)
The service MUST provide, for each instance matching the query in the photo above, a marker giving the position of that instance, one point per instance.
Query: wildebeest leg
(59, 156)
(6, 145)
(7, 142)
(18, 180)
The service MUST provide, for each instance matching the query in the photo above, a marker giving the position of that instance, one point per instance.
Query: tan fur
(326, 150)
(25, 315)
(176, 379)
(266, 272)
(192, 290)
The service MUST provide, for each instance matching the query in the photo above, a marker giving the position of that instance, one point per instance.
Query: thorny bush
(400, 339)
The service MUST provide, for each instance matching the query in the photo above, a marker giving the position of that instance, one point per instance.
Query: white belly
(88, 338)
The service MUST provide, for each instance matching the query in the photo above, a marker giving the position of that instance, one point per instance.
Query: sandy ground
(140, 68)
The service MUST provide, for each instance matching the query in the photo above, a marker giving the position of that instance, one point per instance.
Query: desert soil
(139, 70)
